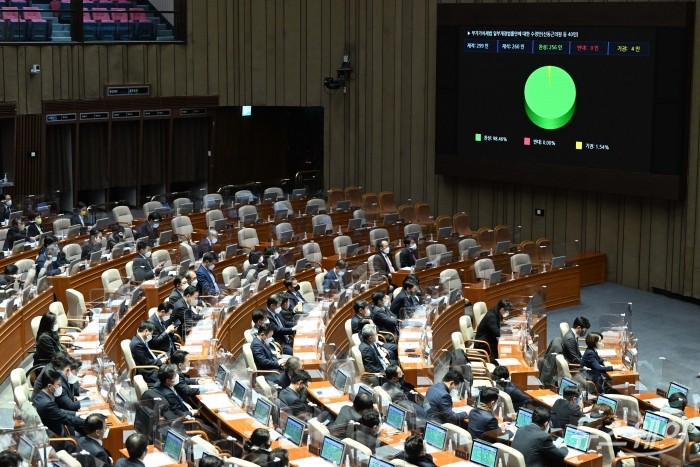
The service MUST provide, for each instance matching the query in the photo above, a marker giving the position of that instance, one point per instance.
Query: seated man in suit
(283, 332)
(137, 447)
(399, 392)
(374, 357)
(406, 299)
(362, 313)
(262, 354)
(149, 228)
(168, 378)
(501, 376)
(179, 286)
(352, 412)
(52, 416)
(291, 366)
(438, 401)
(80, 216)
(63, 364)
(409, 254)
(294, 395)
(162, 338)
(535, 443)
(567, 410)
(367, 431)
(383, 262)
(184, 388)
(481, 419)
(382, 316)
(295, 297)
(96, 430)
(334, 279)
(142, 265)
(92, 245)
(414, 452)
(184, 312)
(571, 350)
(206, 281)
(206, 244)
(142, 353)
(5, 207)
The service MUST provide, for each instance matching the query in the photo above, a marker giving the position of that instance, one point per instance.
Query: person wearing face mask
(259, 318)
(571, 350)
(116, 236)
(414, 452)
(362, 312)
(296, 299)
(47, 339)
(96, 430)
(150, 228)
(567, 410)
(206, 281)
(80, 217)
(535, 443)
(5, 207)
(405, 300)
(438, 401)
(294, 395)
(256, 263)
(184, 388)
(262, 354)
(383, 262)
(63, 364)
(401, 394)
(335, 278)
(374, 357)
(16, 232)
(272, 259)
(382, 316)
(34, 228)
(592, 364)
(142, 265)
(409, 254)
(52, 416)
(367, 431)
(481, 419)
(184, 313)
(56, 262)
(489, 329)
(291, 366)
(501, 376)
(43, 255)
(142, 353)
(168, 379)
(206, 244)
(9, 276)
(179, 286)
(283, 332)
(162, 339)
(137, 447)
(92, 245)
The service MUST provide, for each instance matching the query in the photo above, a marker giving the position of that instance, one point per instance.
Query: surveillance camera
(35, 70)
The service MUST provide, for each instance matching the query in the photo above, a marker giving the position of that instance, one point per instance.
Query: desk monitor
(341, 380)
(213, 204)
(298, 193)
(25, 449)
(272, 196)
(342, 298)
(146, 419)
(435, 436)
(101, 224)
(218, 224)
(445, 258)
(320, 229)
(503, 247)
(354, 224)
(250, 219)
(286, 236)
(332, 450)
(455, 295)
(351, 249)
(566, 382)
(577, 439)
(221, 375)
(444, 232)
(95, 258)
(362, 389)
(301, 264)
(377, 462)
(118, 250)
(391, 218)
(142, 239)
(395, 417)
(675, 387)
(655, 423)
(524, 269)
(262, 283)
(558, 262)
(74, 266)
(18, 247)
(474, 251)
(173, 444)
(612, 403)
(163, 211)
(312, 209)
(524, 418)
(280, 273)
(343, 205)
(186, 208)
(73, 231)
(262, 411)
(281, 214)
(483, 453)
(238, 394)
(495, 277)
(184, 267)
(15, 215)
(231, 250)
(421, 263)
(294, 430)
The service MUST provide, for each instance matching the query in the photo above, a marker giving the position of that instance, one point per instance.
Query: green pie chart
(550, 97)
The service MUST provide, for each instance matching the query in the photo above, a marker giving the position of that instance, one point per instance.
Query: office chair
(464, 245)
(434, 250)
(484, 237)
(150, 207)
(509, 456)
(335, 195)
(518, 260)
(376, 234)
(340, 244)
(413, 230)
(353, 194)
(483, 268)
(248, 210)
(386, 202)
(182, 227)
(449, 278)
(462, 224)
(479, 309)
(122, 215)
(212, 216)
(248, 238)
(283, 227)
(407, 212)
(322, 219)
(317, 202)
(276, 190)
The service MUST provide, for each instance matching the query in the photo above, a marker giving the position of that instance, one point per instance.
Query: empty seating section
(21, 22)
(119, 21)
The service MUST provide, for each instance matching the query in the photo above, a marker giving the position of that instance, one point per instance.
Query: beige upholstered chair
(150, 207)
(182, 227)
(131, 366)
(122, 215)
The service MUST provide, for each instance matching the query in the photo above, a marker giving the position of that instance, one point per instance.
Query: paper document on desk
(550, 399)
(503, 342)
(305, 341)
(329, 391)
(156, 459)
(193, 349)
(336, 406)
(233, 415)
(415, 335)
(306, 356)
(217, 400)
(695, 421)
(657, 402)
(607, 353)
(508, 361)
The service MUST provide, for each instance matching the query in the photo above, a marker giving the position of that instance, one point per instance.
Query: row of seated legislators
(170, 378)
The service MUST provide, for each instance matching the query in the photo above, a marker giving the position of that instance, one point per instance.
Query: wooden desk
(644, 399)
(592, 266)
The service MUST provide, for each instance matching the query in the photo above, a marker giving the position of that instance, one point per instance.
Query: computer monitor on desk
(566, 382)
(421, 263)
(391, 218)
(320, 230)
(395, 417)
(503, 247)
(483, 453)
(343, 205)
(186, 208)
(294, 430)
(558, 262)
(341, 380)
(218, 224)
(262, 411)
(298, 193)
(222, 375)
(249, 219)
(435, 436)
(173, 444)
(494, 278)
(474, 251)
(332, 450)
(312, 209)
(354, 224)
(675, 387)
(610, 402)
(238, 393)
(444, 232)
(524, 417)
(281, 214)
(286, 236)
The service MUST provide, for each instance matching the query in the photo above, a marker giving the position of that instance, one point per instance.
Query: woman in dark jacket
(592, 362)
(47, 341)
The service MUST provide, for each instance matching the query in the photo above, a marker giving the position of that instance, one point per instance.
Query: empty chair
(24, 265)
(423, 213)
(122, 215)
(462, 225)
(248, 210)
(182, 227)
(544, 250)
(178, 202)
(529, 248)
(76, 305)
(370, 204)
(465, 244)
(18, 379)
(312, 253)
(212, 216)
(72, 251)
(434, 250)
(386, 202)
(413, 230)
(284, 228)
(162, 256)
(318, 280)
(106, 28)
(244, 196)
(38, 29)
(626, 402)
(283, 205)
(601, 443)
(377, 234)
(229, 273)
(483, 268)
(484, 236)
(443, 221)
(360, 214)
(150, 207)
(408, 213)
(111, 281)
(186, 252)
(60, 227)
(274, 190)
(335, 195)
(248, 238)
(323, 219)
(307, 291)
(501, 233)
(340, 244)
(519, 260)
(353, 194)
(321, 204)
(449, 278)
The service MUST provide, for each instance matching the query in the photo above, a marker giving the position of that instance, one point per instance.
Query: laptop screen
(524, 418)
(362, 389)
(607, 401)
(566, 382)
(675, 387)
(655, 423)
(173, 445)
(25, 448)
(221, 374)
(395, 416)
(294, 430)
(435, 436)
(238, 393)
(332, 450)
(577, 439)
(262, 411)
(377, 462)
(483, 454)
(341, 380)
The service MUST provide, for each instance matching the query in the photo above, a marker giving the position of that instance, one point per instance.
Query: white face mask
(413, 246)
(211, 267)
(148, 338)
(194, 283)
(276, 255)
(105, 433)
(72, 379)
(367, 313)
(155, 225)
(214, 240)
(386, 250)
(147, 254)
(341, 273)
(506, 313)
(176, 381)
(183, 287)
(8, 203)
(55, 328)
(186, 369)
(167, 317)
(269, 340)
(278, 309)
(194, 301)
(58, 391)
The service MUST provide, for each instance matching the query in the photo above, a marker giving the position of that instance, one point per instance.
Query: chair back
(129, 268)
(484, 237)
(322, 219)
(465, 244)
(283, 227)
(462, 224)
(528, 247)
(348, 330)
(518, 260)
(20, 395)
(248, 336)
(465, 327)
(357, 446)
(212, 200)
(263, 386)
(312, 252)
(182, 226)
(162, 256)
(423, 213)
(111, 280)
(128, 358)
(276, 190)
(35, 325)
(563, 328)
(60, 227)
(353, 194)
(335, 195)
(140, 386)
(408, 213)
(317, 202)
(212, 216)
(122, 215)
(248, 356)
(443, 221)
(370, 204)
(465, 438)
(72, 251)
(67, 460)
(506, 401)
(319, 282)
(248, 210)
(601, 443)
(544, 250)
(563, 369)
(434, 250)
(376, 234)
(479, 310)
(186, 252)
(248, 238)
(229, 273)
(629, 402)
(178, 202)
(317, 426)
(386, 201)
(413, 230)
(357, 356)
(458, 340)
(483, 268)
(509, 457)
(57, 309)
(449, 278)
(340, 244)
(151, 206)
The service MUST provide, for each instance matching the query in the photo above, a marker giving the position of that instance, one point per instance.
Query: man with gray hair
(292, 365)
(374, 357)
(206, 244)
(56, 261)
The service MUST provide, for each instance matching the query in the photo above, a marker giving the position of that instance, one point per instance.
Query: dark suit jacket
(95, 449)
(421, 461)
(46, 346)
(88, 248)
(161, 340)
(438, 405)
(54, 417)
(408, 257)
(518, 397)
(565, 413)
(385, 320)
(402, 300)
(370, 358)
(571, 351)
(145, 230)
(174, 296)
(143, 268)
(489, 330)
(537, 447)
(33, 230)
(294, 299)
(77, 219)
(296, 402)
(346, 414)
(481, 421)
(205, 283)
(264, 359)
(187, 392)
(332, 281)
(177, 405)
(380, 265)
(125, 462)
(204, 246)
(281, 331)
(283, 380)
(142, 356)
(65, 400)
(594, 366)
(355, 321)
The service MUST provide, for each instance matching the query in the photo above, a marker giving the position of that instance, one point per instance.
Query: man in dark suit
(5, 207)
(567, 410)
(179, 286)
(409, 254)
(414, 452)
(149, 228)
(367, 431)
(394, 385)
(353, 413)
(362, 314)
(80, 217)
(383, 262)
(206, 244)
(167, 380)
(489, 329)
(63, 364)
(374, 358)
(335, 278)
(291, 366)
(206, 281)
(142, 353)
(535, 444)
(571, 350)
(382, 316)
(142, 265)
(501, 376)
(283, 332)
(262, 354)
(184, 313)
(52, 416)
(137, 447)
(438, 402)
(95, 431)
(481, 419)
(295, 297)
(406, 299)
(184, 387)
(163, 334)
(294, 395)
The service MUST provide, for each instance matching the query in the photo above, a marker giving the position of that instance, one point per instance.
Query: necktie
(381, 357)
(389, 267)
(216, 286)
(149, 350)
(300, 297)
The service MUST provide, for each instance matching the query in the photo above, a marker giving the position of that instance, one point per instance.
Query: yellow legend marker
(579, 145)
